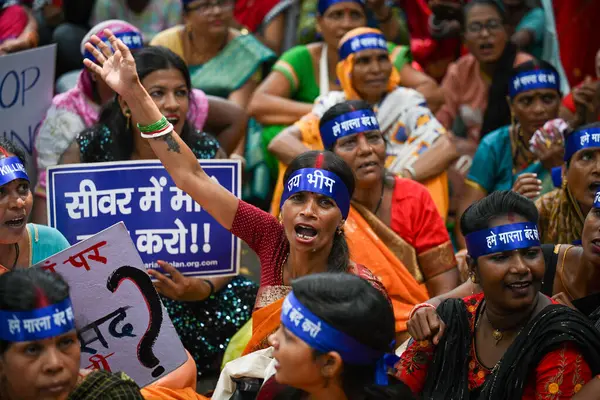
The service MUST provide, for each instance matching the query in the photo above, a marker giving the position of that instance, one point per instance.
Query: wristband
(418, 307)
(157, 126)
(156, 134)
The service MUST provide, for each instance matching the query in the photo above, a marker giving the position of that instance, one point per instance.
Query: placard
(122, 323)
(164, 222)
(26, 90)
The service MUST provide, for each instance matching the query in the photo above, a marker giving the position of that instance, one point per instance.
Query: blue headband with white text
(581, 139)
(132, 39)
(535, 79)
(39, 324)
(346, 124)
(597, 200)
(324, 338)
(323, 5)
(11, 168)
(365, 41)
(320, 181)
(502, 238)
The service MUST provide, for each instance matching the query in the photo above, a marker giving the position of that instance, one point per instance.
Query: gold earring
(564, 183)
(473, 279)
(127, 115)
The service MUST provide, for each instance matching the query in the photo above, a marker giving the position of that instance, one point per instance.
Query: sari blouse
(559, 375)
(492, 167)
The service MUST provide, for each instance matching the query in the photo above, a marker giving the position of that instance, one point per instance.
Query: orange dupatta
(265, 321)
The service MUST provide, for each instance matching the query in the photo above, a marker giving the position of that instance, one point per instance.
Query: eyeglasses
(211, 5)
(492, 26)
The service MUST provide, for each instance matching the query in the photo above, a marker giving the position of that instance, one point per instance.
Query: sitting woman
(510, 341)
(475, 85)
(117, 137)
(393, 225)
(506, 153)
(563, 211)
(353, 336)
(417, 146)
(45, 364)
(21, 244)
(305, 72)
(79, 108)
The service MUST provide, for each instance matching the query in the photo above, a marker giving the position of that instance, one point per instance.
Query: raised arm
(288, 144)
(118, 70)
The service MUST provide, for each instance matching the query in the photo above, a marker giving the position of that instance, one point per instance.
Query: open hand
(177, 286)
(116, 68)
(426, 324)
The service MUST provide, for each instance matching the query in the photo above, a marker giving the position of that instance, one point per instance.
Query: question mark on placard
(145, 286)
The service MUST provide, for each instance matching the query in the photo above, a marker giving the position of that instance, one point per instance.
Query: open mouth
(520, 285)
(173, 119)
(486, 47)
(15, 223)
(305, 232)
(368, 164)
(594, 187)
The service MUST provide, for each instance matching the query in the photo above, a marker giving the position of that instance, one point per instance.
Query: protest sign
(164, 223)
(26, 89)
(122, 323)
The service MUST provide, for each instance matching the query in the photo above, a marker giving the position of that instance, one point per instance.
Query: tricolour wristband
(165, 131)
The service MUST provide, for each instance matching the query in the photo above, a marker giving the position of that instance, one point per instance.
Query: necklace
(497, 334)
(380, 197)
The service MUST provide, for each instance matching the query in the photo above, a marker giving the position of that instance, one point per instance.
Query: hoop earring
(127, 115)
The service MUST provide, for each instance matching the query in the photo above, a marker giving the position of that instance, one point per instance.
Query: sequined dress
(204, 327)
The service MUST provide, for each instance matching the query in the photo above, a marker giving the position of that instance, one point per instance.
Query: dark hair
(147, 61)
(497, 113)
(12, 148)
(343, 108)
(479, 214)
(340, 254)
(28, 289)
(351, 305)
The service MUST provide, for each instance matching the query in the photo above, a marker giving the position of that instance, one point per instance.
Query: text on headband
(365, 41)
(581, 140)
(133, 40)
(348, 124)
(321, 336)
(42, 323)
(319, 181)
(11, 168)
(502, 238)
(531, 80)
(323, 5)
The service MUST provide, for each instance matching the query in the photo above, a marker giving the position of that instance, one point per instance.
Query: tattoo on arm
(171, 143)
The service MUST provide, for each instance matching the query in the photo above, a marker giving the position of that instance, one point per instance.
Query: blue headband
(502, 238)
(531, 80)
(12, 168)
(582, 139)
(323, 5)
(132, 39)
(43, 323)
(318, 181)
(322, 337)
(365, 41)
(348, 124)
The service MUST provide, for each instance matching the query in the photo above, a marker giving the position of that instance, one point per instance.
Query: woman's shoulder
(407, 188)
(203, 145)
(298, 53)
(497, 137)
(45, 242)
(164, 38)
(111, 385)
(44, 232)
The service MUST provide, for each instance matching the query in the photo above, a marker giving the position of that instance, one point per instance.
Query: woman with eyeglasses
(475, 85)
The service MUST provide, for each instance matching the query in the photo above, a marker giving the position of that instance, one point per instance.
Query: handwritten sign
(122, 323)
(26, 90)
(164, 222)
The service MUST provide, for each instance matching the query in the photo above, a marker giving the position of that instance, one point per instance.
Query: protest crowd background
(290, 199)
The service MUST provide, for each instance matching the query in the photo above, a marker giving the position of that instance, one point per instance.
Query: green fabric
(300, 60)
(231, 69)
(50, 241)
(535, 22)
(492, 167)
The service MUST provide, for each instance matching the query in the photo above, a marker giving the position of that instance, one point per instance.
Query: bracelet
(418, 307)
(156, 134)
(157, 126)
(212, 287)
